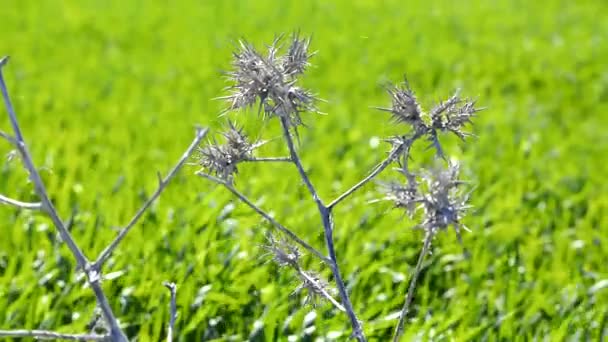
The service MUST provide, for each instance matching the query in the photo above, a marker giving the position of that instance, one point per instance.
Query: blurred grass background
(109, 92)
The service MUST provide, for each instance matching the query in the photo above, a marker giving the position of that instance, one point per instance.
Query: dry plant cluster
(269, 82)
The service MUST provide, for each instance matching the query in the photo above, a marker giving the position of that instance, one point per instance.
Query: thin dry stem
(51, 335)
(265, 215)
(7, 137)
(268, 159)
(105, 254)
(412, 288)
(20, 205)
(93, 277)
(327, 221)
(173, 310)
(395, 153)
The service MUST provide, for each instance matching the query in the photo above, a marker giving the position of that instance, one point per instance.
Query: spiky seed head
(282, 251)
(444, 202)
(271, 80)
(223, 159)
(453, 114)
(404, 107)
(296, 59)
(402, 196)
(438, 195)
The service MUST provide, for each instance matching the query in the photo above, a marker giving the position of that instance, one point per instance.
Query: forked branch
(93, 277)
(51, 335)
(162, 184)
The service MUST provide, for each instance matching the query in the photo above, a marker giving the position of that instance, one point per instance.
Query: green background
(108, 93)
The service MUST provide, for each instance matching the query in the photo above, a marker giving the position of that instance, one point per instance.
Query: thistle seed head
(296, 59)
(402, 195)
(222, 159)
(438, 195)
(453, 114)
(271, 79)
(450, 115)
(444, 203)
(282, 252)
(405, 107)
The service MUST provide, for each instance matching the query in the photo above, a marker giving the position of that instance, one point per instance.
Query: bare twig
(412, 288)
(265, 215)
(327, 221)
(105, 254)
(173, 310)
(8, 138)
(19, 204)
(399, 149)
(296, 160)
(93, 277)
(375, 172)
(51, 335)
(268, 159)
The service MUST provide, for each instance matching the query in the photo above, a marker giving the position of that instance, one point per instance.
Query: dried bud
(438, 195)
(444, 203)
(402, 196)
(271, 80)
(296, 60)
(222, 159)
(405, 107)
(283, 253)
(448, 116)
(445, 116)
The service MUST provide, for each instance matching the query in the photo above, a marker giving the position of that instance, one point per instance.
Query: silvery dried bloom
(452, 114)
(282, 252)
(222, 159)
(271, 79)
(403, 195)
(405, 107)
(444, 203)
(296, 60)
(438, 196)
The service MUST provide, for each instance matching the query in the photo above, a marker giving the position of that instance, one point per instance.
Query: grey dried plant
(270, 81)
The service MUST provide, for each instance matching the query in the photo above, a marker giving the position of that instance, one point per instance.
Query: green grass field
(109, 93)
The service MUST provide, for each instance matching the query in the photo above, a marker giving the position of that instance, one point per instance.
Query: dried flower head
(222, 159)
(405, 107)
(271, 79)
(444, 202)
(296, 59)
(450, 115)
(438, 195)
(453, 114)
(402, 195)
(282, 252)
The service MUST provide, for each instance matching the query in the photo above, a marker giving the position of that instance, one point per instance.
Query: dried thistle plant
(270, 79)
